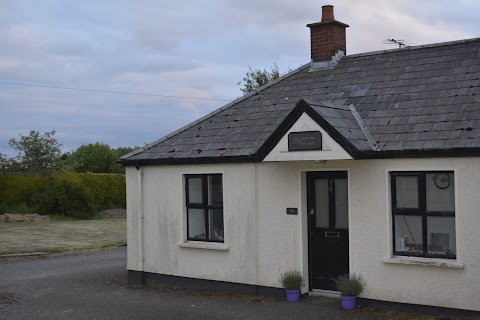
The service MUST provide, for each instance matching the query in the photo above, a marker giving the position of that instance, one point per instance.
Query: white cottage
(367, 163)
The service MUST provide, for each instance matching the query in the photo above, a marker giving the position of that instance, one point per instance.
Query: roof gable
(331, 150)
(340, 130)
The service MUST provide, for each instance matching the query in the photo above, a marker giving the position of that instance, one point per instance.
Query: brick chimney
(327, 37)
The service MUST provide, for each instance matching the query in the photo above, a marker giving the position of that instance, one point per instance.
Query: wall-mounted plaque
(304, 141)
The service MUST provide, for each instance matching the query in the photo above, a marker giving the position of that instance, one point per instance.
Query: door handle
(312, 211)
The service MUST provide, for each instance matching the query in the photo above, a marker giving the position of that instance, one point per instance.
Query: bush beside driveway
(55, 236)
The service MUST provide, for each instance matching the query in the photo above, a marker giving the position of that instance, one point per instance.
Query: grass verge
(61, 250)
(60, 236)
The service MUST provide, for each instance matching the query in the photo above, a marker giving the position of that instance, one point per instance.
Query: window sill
(428, 262)
(204, 245)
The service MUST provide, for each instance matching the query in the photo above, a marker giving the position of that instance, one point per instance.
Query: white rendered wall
(165, 229)
(370, 229)
(282, 238)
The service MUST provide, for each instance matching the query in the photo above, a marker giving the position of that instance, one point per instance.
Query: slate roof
(346, 122)
(414, 101)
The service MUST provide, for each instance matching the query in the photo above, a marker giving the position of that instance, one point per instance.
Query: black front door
(328, 227)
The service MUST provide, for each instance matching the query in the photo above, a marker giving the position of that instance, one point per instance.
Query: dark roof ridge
(211, 114)
(424, 46)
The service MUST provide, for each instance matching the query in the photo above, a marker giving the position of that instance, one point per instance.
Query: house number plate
(292, 211)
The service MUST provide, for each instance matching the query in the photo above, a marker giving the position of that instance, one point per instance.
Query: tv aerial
(401, 43)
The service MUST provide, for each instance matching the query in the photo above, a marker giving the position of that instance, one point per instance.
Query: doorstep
(324, 293)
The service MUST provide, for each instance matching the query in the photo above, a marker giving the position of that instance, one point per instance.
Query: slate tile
(455, 134)
(413, 145)
(455, 116)
(379, 121)
(433, 87)
(395, 145)
(410, 136)
(416, 119)
(427, 136)
(444, 126)
(422, 103)
(473, 115)
(408, 112)
(457, 143)
(473, 143)
(422, 127)
(433, 144)
(379, 113)
(404, 128)
(470, 134)
(386, 129)
(438, 117)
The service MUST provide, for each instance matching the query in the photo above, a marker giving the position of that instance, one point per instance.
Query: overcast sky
(183, 48)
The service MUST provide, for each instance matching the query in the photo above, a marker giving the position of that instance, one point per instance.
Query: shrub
(292, 280)
(108, 190)
(64, 198)
(15, 208)
(350, 284)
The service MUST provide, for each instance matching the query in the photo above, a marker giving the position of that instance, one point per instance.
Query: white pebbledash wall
(262, 241)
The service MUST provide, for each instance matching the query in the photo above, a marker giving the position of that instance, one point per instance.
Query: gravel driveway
(92, 285)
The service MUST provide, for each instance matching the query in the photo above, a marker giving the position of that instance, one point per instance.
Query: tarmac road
(92, 285)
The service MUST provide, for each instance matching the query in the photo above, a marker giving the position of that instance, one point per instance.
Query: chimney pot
(327, 13)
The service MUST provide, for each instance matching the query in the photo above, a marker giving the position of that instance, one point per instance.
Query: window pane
(215, 221)
(407, 192)
(321, 202)
(195, 190)
(196, 224)
(215, 190)
(408, 234)
(341, 203)
(441, 235)
(440, 192)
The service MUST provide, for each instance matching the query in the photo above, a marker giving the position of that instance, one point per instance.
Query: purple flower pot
(348, 302)
(293, 295)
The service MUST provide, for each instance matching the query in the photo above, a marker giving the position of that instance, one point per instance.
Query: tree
(36, 152)
(97, 158)
(4, 163)
(121, 151)
(254, 79)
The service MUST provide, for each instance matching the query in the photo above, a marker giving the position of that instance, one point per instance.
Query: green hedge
(62, 197)
(108, 190)
(17, 189)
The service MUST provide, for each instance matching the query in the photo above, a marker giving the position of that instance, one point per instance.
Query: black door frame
(311, 176)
